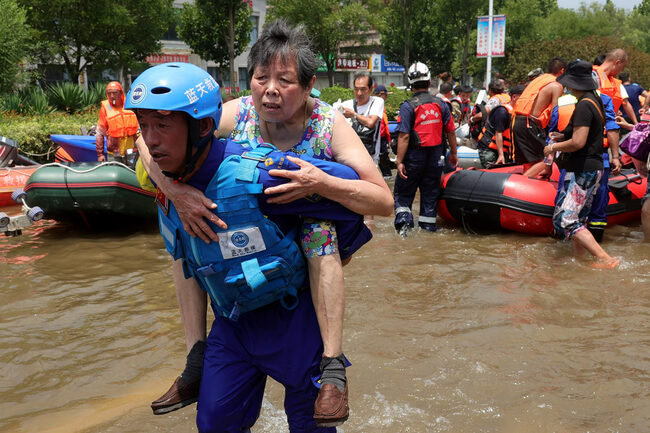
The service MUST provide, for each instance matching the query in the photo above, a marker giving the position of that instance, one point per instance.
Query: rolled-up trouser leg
(430, 189)
(598, 215)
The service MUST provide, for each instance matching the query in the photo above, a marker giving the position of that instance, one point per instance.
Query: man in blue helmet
(178, 106)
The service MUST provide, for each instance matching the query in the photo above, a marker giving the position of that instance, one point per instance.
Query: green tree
(217, 30)
(329, 23)
(418, 30)
(82, 33)
(461, 17)
(14, 35)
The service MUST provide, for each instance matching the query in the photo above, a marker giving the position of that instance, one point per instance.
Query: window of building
(243, 79)
(254, 32)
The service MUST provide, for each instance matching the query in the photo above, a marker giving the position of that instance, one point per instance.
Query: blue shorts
(271, 341)
(574, 201)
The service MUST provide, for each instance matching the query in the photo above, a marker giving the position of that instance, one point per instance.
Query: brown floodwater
(447, 332)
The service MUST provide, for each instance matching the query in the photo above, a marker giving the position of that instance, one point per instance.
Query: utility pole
(488, 73)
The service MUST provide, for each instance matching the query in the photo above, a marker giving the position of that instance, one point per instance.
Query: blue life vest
(254, 263)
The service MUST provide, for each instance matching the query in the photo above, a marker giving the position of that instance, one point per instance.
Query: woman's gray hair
(284, 41)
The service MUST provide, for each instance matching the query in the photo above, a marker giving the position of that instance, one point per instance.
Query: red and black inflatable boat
(503, 199)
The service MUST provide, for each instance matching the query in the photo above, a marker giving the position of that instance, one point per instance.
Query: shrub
(69, 97)
(332, 94)
(395, 98)
(36, 101)
(33, 132)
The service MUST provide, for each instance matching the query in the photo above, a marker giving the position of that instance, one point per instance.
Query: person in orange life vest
(614, 63)
(494, 144)
(560, 119)
(385, 164)
(119, 126)
(532, 113)
(461, 105)
(584, 165)
(498, 96)
(420, 160)
(613, 89)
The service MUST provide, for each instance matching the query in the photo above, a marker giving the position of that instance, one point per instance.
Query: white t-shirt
(374, 107)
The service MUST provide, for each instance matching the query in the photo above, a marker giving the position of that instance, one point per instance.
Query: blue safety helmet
(177, 87)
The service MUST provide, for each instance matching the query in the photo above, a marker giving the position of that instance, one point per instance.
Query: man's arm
(627, 107)
(402, 145)
(193, 207)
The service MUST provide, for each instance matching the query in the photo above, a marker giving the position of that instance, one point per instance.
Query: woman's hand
(305, 181)
(194, 209)
(556, 136)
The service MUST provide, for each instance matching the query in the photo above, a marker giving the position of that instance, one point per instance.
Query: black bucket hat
(578, 75)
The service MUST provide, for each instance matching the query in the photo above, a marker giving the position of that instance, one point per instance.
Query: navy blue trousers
(271, 341)
(423, 172)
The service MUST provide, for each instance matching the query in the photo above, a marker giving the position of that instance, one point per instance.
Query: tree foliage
(14, 35)
(81, 33)
(217, 30)
(418, 30)
(328, 23)
(536, 54)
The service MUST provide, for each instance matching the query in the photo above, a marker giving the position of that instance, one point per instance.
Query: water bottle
(548, 159)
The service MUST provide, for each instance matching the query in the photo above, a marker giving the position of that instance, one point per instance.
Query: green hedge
(33, 132)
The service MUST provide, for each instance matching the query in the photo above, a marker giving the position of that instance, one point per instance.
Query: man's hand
(401, 170)
(348, 112)
(500, 160)
(615, 165)
(194, 210)
(453, 159)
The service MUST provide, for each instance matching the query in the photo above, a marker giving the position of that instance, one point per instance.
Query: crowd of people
(263, 199)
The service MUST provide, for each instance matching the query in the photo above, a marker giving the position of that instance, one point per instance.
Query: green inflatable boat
(91, 191)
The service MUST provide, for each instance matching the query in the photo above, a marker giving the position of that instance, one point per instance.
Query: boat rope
(49, 151)
(74, 170)
(9, 170)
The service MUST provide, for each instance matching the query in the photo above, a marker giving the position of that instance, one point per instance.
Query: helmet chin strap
(194, 141)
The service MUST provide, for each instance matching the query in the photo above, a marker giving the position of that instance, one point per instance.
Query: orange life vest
(504, 98)
(564, 113)
(611, 87)
(526, 101)
(489, 132)
(121, 122)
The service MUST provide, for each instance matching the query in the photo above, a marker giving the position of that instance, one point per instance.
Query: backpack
(368, 136)
(255, 263)
(475, 128)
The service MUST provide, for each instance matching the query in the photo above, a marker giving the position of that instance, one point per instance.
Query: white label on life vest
(239, 243)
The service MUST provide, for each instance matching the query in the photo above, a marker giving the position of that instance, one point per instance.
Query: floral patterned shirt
(318, 237)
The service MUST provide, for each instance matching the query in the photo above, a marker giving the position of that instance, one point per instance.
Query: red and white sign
(166, 58)
(342, 64)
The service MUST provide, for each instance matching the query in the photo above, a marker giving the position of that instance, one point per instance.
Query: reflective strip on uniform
(402, 210)
(426, 219)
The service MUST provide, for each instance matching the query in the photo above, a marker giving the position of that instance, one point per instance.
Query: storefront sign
(378, 63)
(343, 64)
(166, 58)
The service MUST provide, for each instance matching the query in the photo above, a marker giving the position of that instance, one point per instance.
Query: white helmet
(418, 72)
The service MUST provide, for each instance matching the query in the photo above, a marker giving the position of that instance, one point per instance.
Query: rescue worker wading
(420, 159)
(118, 125)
